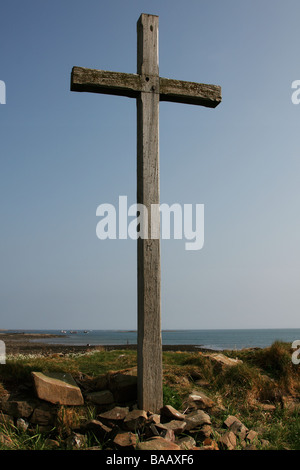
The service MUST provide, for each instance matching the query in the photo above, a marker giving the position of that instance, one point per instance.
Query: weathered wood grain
(148, 89)
(189, 92)
(101, 81)
(131, 85)
(150, 394)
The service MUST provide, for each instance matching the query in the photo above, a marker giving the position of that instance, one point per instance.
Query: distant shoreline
(21, 343)
(48, 342)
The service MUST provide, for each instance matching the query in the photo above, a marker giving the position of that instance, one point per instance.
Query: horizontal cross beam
(129, 84)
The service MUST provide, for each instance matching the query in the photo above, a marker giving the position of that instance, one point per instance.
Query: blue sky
(64, 153)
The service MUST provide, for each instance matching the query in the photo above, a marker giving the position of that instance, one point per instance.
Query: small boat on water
(85, 331)
(73, 332)
(63, 331)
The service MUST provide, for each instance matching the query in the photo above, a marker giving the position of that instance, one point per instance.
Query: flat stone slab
(104, 397)
(157, 443)
(96, 427)
(223, 360)
(175, 425)
(135, 420)
(114, 416)
(125, 440)
(123, 385)
(236, 426)
(196, 419)
(17, 408)
(200, 401)
(186, 443)
(58, 388)
(228, 441)
(170, 412)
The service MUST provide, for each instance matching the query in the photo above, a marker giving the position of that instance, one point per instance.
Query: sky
(63, 154)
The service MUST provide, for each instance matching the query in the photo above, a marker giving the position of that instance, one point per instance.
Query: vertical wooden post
(150, 395)
(148, 89)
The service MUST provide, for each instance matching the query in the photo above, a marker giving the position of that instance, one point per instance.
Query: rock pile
(119, 424)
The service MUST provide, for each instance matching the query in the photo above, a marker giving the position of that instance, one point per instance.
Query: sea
(234, 339)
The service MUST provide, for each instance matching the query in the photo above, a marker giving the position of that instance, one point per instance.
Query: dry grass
(263, 376)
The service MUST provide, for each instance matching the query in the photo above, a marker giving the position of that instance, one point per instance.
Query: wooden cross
(148, 89)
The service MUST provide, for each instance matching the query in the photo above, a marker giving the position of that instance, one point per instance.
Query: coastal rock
(101, 382)
(22, 425)
(104, 397)
(58, 388)
(209, 444)
(154, 418)
(170, 435)
(76, 441)
(223, 361)
(239, 429)
(236, 426)
(157, 443)
(135, 420)
(252, 436)
(290, 403)
(264, 443)
(186, 443)
(125, 440)
(205, 432)
(151, 430)
(123, 385)
(43, 415)
(229, 421)
(196, 419)
(267, 407)
(17, 408)
(175, 425)
(198, 400)
(228, 441)
(94, 426)
(114, 416)
(170, 412)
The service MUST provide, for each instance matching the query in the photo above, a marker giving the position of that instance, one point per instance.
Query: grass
(16, 439)
(284, 431)
(19, 368)
(263, 376)
(171, 397)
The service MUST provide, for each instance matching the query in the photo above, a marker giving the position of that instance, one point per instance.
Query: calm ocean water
(211, 339)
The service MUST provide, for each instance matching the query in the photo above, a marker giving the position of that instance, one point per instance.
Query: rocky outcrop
(125, 440)
(121, 425)
(222, 361)
(157, 443)
(135, 420)
(57, 387)
(199, 401)
(104, 397)
(17, 408)
(123, 385)
(228, 441)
